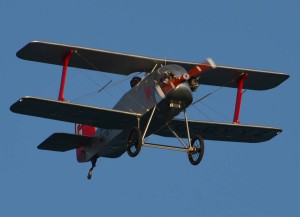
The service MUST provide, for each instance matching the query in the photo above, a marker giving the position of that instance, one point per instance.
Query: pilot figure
(134, 81)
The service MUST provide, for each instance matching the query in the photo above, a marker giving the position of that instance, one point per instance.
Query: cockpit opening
(134, 81)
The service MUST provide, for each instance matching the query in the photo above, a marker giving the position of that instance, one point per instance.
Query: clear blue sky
(234, 179)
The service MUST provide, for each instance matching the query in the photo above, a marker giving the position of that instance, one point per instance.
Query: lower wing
(74, 113)
(221, 131)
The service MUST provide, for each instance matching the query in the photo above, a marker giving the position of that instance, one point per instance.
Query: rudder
(85, 130)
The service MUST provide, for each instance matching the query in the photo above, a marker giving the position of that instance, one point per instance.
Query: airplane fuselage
(153, 90)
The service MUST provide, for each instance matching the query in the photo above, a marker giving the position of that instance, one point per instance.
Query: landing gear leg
(93, 161)
(196, 145)
(135, 139)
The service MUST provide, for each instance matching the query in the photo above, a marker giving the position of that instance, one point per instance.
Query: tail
(85, 130)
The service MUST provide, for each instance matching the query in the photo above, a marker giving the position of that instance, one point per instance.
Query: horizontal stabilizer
(221, 131)
(65, 142)
(74, 113)
(125, 64)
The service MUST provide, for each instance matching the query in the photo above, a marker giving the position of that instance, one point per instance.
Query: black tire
(134, 142)
(196, 156)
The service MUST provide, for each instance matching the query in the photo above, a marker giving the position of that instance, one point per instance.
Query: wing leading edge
(125, 64)
(74, 113)
(221, 131)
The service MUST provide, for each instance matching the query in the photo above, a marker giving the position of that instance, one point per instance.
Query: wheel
(134, 142)
(196, 155)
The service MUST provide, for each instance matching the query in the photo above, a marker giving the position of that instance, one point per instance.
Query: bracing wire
(202, 113)
(92, 93)
(209, 94)
(92, 65)
(215, 111)
(99, 88)
(216, 90)
(104, 86)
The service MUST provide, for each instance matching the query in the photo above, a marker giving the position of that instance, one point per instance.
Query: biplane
(150, 107)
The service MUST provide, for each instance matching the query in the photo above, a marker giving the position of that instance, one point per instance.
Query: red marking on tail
(86, 130)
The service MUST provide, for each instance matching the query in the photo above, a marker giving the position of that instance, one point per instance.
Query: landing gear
(196, 151)
(93, 161)
(136, 138)
(134, 142)
(194, 148)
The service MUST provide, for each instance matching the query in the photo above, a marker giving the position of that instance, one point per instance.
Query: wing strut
(239, 95)
(64, 76)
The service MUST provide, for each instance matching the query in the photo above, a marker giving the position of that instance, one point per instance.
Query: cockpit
(134, 81)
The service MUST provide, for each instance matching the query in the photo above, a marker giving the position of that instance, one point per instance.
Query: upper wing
(87, 58)
(74, 113)
(221, 131)
(228, 76)
(125, 64)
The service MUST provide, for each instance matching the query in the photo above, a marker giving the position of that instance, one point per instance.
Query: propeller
(192, 76)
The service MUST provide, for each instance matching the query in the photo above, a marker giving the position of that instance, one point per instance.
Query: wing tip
(14, 107)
